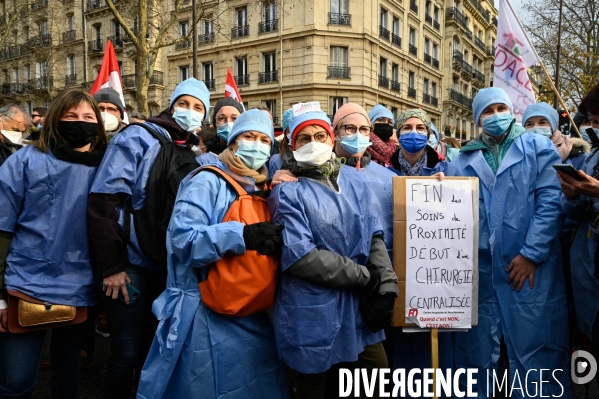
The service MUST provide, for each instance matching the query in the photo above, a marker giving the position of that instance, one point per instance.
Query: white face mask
(313, 154)
(111, 122)
(12, 136)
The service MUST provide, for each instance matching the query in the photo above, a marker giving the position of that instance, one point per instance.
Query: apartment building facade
(470, 35)
(391, 52)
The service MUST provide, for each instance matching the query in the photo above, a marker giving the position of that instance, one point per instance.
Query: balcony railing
(468, 33)
(117, 41)
(411, 92)
(435, 101)
(413, 7)
(428, 19)
(413, 50)
(491, 50)
(485, 13)
(461, 99)
(467, 68)
(5, 89)
(435, 63)
(454, 13)
(339, 19)
(426, 98)
(242, 80)
(339, 72)
(384, 33)
(69, 36)
(40, 40)
(129, 81)
(458, 57)
(157, 78)
(383, 81)
(94, 4)
(478, 75)
(70, 79)
(268, 26)
(427, 58)
(395, 86)
(39, 5)
(265, 77)
(479, 43)
(41, 83)
(96, 45)
(240, 31)
(436, 25)
(206, 38)
(495, 21)
(395, 39)
(185, 44)
(209, 83)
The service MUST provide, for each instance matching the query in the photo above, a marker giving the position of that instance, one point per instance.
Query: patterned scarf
(407, 169)
(380, 150)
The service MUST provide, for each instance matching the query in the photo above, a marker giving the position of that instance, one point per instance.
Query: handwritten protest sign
(435, 251)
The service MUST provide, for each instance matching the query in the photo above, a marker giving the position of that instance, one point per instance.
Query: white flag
(513, 55)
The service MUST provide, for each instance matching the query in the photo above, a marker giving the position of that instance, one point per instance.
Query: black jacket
(7, 149)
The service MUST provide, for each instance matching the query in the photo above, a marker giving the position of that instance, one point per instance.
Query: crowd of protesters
(225, 262)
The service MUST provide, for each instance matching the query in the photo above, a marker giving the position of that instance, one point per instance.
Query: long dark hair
(66, 100)
(590, 102)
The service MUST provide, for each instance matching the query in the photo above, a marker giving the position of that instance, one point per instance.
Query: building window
(206, 26)
(412, 80)
(208, 75)
(427, 46)
(436, 14)
(272, 107)
(44, 28)
(241, 70)
(339, 65)
(339, 7)
(336, 103)
(98, 31)
(183, 28)
(412, 36)
(427, 8)
(435, 51)
(269, 68)
(71, 65)
(27, 70)
(434, 89)
(71, 19)
(395, 72)
(28, 107)
(269, 12)
(15, 75)
(383, 67)
(384, 18)
(241, 17)
(183, 73)
(426, 86)
(41, 69)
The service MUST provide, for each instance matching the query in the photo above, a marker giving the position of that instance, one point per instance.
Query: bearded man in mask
(112, 108)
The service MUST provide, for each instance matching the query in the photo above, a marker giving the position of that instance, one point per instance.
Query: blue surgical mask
(542, 130)
(355, 143)
(253, 154)
(39, 126)
(412, 142)
(497, 124)
(188, 119)
(432, 140)
(222, 131)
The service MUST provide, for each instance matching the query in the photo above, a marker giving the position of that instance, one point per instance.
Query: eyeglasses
(351, 129)
(408, 128)
(112, 110)
(304, 139)
(22, 126)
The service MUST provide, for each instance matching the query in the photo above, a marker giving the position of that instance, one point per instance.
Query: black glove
(374, 282)
(263, 237)
(377, 309)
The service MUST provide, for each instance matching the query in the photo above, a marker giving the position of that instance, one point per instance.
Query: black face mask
(383, 130)
(78, 134)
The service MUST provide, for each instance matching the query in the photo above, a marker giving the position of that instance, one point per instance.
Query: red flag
(110, 75)
(231, 87)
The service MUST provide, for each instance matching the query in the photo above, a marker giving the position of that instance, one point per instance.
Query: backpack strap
(236, 186)
(160, 137)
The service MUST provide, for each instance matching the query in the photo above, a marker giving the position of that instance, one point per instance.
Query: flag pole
(561, 101)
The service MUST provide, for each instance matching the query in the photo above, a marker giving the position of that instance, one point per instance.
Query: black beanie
(108, 95)
(224, 102)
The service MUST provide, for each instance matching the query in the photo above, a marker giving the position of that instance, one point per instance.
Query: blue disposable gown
(44, 203)
(318, 326)
(585, 286)
(519, 214)
(125, 169)
(274, 163)
(208, 158)
(196, 352)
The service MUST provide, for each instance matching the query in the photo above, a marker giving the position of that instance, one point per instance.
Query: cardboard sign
(436, 251)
